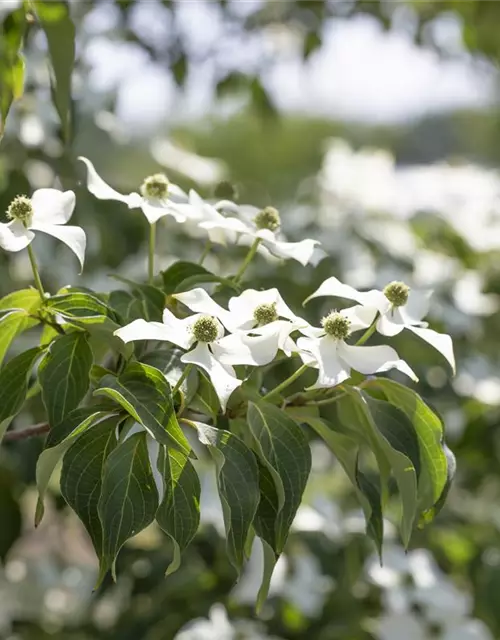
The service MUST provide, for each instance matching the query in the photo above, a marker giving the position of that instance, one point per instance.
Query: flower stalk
(286, 383)
(152, 246)
(248, 259)
(36, 274)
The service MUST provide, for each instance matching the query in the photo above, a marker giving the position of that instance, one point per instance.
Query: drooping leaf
(145, 394)
(346, 450)
(11, 62)
(285, 454)
(451, 468)
(55, 20)
(14, 377)
(179, 511)
(429, 431)
(59, 439)
(11, 325)
(64, 375)
(129, 498)
(238, 485)
(182, 276)
(81, 475)
(390, 435)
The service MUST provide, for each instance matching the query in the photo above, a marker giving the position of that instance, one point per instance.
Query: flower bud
(268, 218)
(21, 209)
(265, 313)
(336, 325)
(206, 329)
(397, 293)
(226, 191)
(155, 187)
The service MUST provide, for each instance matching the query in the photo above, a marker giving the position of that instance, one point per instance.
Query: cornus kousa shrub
(140, 383)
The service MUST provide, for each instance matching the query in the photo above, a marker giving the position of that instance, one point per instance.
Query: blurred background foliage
(220, 90)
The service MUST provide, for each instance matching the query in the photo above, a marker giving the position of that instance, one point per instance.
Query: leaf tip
(39, 512)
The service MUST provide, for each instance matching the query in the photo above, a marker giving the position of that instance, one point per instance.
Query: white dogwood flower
(261, 320)
(326, 349)
(249, 223)
(202, 335)
(48, 211)
(398, 308)
(157, 198)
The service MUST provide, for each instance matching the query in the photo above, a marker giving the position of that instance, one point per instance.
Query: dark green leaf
(14, 377)
(129, 498)
(10, 511)
(179, 511)
(168, 361)
(284, 453)
(81, 475)
(151, 299)
(312, 42)
(126, 305)
(429, 430)
(390, 435)
(60, 31)
(182, 276)
(238, 484)
(205, 400)
(145, 394)
(64, 375)
(60, 438)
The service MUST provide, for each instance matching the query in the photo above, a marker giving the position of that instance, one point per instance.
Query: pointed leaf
(145, 394)
(182, 276)
(179, 511)
(126, 305)
(150, 298)
(429, 430)
(60, 438)
(205, 399)
(11, 325)
(129, 498)
(168, 361)
(238, 484)
(14, 377)
(64, 375)
(284, 452)
(81, 475)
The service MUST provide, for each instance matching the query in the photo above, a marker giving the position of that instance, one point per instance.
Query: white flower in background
(261, 320)
(156, 199)
(48, 210)
(398, 308)
(327, 350)
(248, 222)
(203, 331)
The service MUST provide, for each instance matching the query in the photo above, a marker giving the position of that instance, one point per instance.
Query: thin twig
(23, 434)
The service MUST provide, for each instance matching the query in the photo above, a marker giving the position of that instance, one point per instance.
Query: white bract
(260, 320)
(158, 196)
(249, 223)
(398, 308)
(327, 350)
(48, 210)
(205, 333)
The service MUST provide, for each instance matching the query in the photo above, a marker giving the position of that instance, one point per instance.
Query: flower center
(21, 209)
(226, 191)
(265, 313)
(336, 325)
(155, 187)
(268, 218)
(397, 293)
(205, 329)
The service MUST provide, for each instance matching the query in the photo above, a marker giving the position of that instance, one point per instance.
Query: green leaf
(11, 325)
(451, 468)
(238, 484)
(64, 375)
(205, 400)
(145, 395)
(270, 560)
(346, 450)
(392, 438)
(81, 475)
(182, 276)
(179, 511)
(429, 430)
(284, 452)
(60, 31)
(60, 438)
(151, 299)
(27, 299)
(168, 361)
(129, 498)
(126, 305)
(14, 377)
(11, 62)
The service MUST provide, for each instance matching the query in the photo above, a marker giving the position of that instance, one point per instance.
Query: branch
(23, 434)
